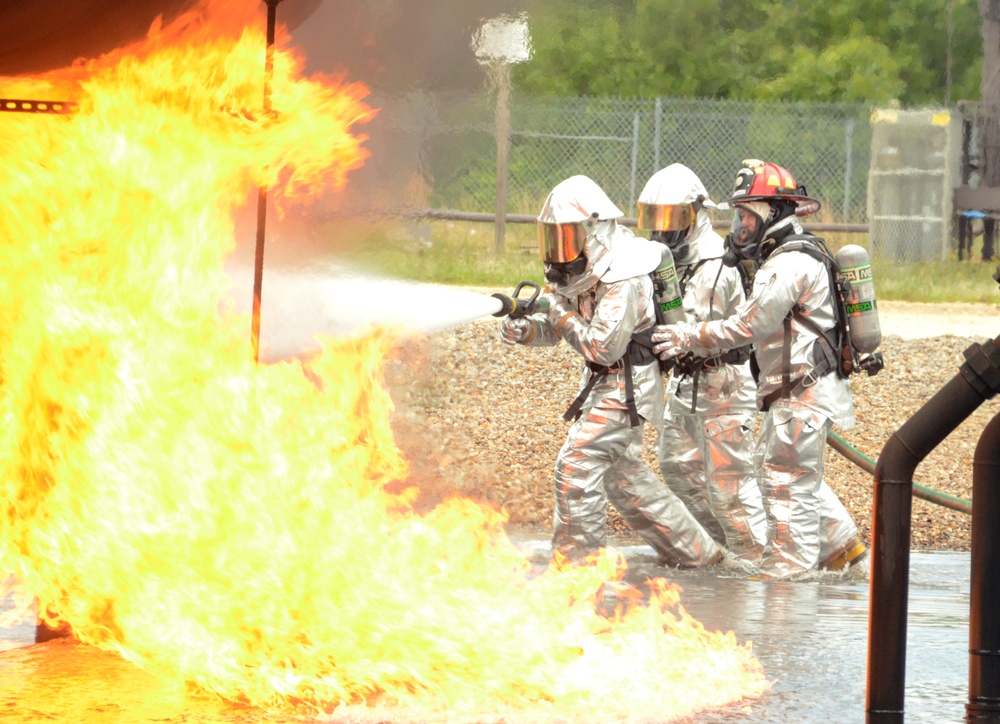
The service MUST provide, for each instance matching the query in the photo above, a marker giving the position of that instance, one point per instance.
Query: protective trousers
(708, 462)
(601, 462)
(806, 522)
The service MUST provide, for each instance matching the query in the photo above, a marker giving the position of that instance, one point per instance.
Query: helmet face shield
(561, 243)
(666, 217)
(746, 233)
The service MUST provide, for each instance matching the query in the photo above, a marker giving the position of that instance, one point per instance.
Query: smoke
(43, 35)
(406, 52)
(411, 55)
(399, 45)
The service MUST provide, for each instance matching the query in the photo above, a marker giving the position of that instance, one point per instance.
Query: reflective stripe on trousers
(708, 462)
(600, 462)
(806, 521)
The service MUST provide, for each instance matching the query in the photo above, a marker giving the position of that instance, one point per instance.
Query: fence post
(657, 130)
(847, 167)
(635, 157)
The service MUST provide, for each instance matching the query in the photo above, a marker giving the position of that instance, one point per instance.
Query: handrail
(453, 215)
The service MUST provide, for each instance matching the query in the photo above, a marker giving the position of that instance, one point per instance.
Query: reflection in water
(811, 637)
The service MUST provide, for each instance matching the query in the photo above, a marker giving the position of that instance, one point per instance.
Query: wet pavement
(810, 636)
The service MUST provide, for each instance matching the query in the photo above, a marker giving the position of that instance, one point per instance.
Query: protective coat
(600, 460)
(807, 524)
(707, 441)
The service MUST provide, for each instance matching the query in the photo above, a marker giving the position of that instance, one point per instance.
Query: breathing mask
(744, 238)
(563, 249)
(563, 273)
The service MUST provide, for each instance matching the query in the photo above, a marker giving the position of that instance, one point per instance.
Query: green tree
(851, 50)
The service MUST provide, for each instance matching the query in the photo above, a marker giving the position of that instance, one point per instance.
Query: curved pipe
(977, 381)
(984, 624)
(852, 454)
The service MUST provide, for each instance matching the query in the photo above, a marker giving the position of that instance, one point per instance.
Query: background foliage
(844, 51)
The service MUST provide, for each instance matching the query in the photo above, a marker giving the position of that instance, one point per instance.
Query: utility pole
(500, 43)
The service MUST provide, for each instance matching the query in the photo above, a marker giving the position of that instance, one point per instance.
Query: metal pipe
(984, 624)
(258, 259)
(852, 454)
(635, 158)
(978, 380)
(848, 148)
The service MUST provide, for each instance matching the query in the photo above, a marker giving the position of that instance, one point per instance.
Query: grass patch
(461, 253)
(942, 281)
(443, 252)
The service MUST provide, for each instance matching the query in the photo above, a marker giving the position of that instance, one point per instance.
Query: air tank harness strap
(637, 354)
(824, 367)
(689, 365)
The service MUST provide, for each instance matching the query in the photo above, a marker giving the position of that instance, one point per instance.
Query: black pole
(258, 259)
(978, 380)
(984, 624)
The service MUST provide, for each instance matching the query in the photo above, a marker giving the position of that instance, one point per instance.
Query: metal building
(914, 169)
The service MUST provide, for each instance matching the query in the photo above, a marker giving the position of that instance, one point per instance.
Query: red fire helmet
(765, 181)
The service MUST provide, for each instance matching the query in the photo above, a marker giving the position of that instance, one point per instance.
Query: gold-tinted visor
(560, 243)
(665, 217)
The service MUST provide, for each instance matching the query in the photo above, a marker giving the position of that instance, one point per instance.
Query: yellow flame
(226, 525)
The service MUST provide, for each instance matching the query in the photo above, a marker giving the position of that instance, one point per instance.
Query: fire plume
(230, 526)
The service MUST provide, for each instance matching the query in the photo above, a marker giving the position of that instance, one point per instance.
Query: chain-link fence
(620, 144)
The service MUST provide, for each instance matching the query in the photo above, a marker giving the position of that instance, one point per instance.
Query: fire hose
(864, 462)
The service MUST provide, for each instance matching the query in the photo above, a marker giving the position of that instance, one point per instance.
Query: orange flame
(226, 525)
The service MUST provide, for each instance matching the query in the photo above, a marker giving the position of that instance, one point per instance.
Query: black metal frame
(977, 381)
(18, 105)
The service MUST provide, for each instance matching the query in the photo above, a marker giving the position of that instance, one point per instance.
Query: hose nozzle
(517, 307)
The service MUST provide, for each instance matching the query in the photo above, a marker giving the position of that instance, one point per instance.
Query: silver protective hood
(675, 184)
(630, 255)
(579, 200)
(575, 200)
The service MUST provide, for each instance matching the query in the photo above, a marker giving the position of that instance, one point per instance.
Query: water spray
(321, 297)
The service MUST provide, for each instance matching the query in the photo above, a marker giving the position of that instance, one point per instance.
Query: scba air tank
(859, 298)
(667, 290)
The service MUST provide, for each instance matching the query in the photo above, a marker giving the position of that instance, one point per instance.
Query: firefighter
(599, 296)
(706, 445)
(788, 318)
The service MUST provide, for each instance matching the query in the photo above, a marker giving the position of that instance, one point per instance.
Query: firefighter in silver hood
(707, 442)
(599, 296)
(789, 315)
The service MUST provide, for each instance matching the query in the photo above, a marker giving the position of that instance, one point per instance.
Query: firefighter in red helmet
(790, 318)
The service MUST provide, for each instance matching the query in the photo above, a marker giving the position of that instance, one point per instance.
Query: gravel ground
(479, 418)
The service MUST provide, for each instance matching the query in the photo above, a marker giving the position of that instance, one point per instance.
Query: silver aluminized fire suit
(807, 524)
(597, 314)
(706, 446)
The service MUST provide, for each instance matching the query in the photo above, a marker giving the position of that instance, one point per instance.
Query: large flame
(228, 525)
